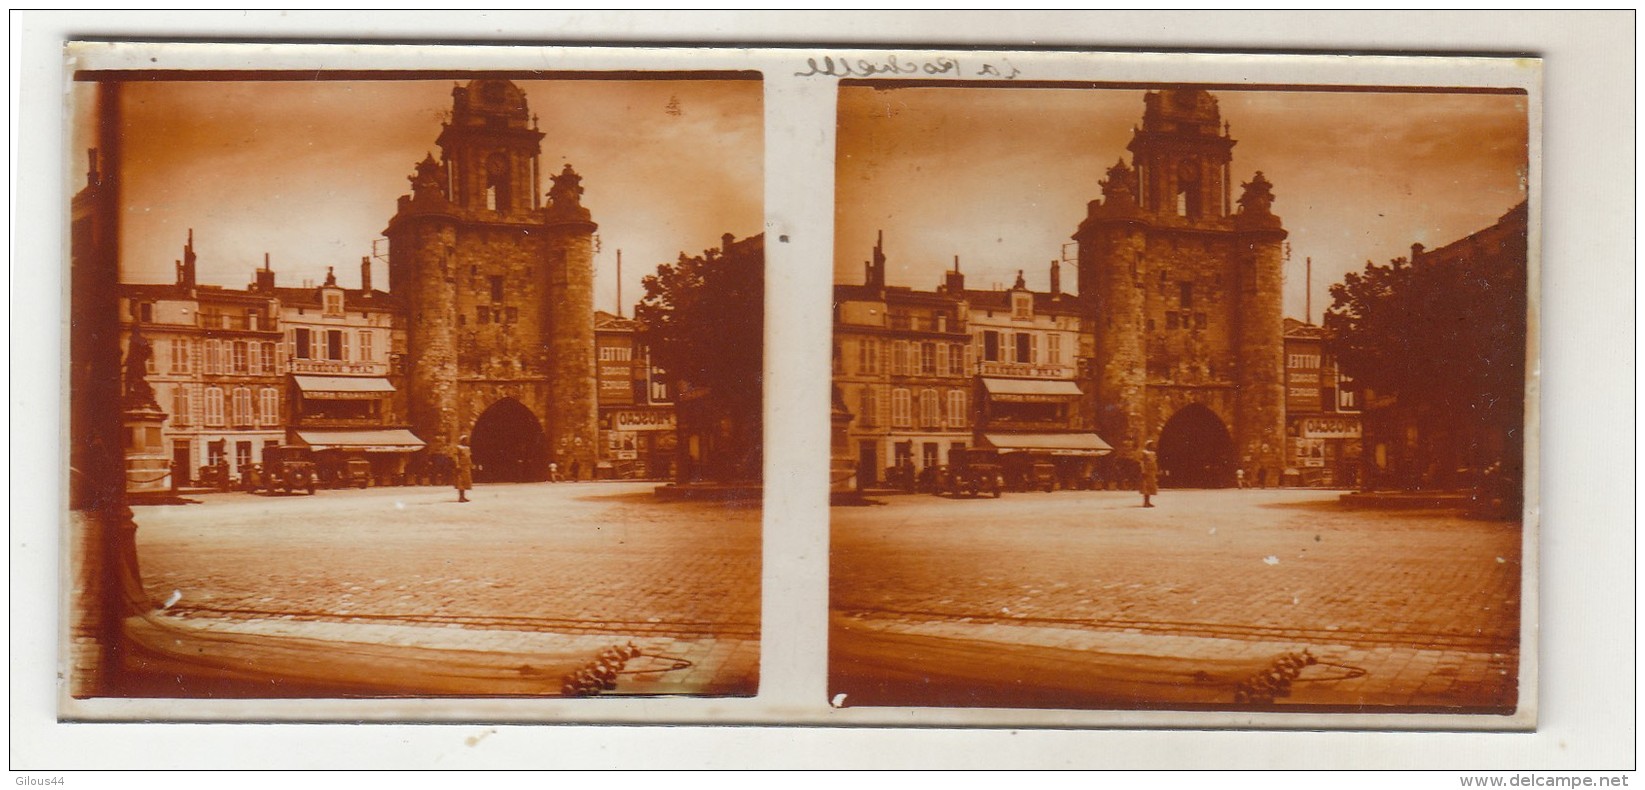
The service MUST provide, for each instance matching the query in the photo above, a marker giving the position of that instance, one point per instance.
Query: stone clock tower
(1183, 300)
(497, 286)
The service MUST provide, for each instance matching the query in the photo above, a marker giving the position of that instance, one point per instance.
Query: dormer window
(1022, 306)
(333, 302)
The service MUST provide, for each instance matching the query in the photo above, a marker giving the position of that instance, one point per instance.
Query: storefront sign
(655, 420)
(1026, 371)
(325, 366)
(1308, 452)
(1330, 428)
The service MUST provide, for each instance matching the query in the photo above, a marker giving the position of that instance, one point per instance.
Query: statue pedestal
(148, 467)
(842, 468)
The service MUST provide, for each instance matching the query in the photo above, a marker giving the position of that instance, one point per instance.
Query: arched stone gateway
(1195, 450)
(508, 445)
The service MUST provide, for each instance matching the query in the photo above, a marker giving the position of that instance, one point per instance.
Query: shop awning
(343, 385)
(387, 440)
(1050, 443)
(1031, 389)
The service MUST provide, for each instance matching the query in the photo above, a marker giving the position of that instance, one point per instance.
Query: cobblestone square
(1085, 599)
(543, 575)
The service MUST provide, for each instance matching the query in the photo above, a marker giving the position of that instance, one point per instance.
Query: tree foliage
(1447, 332)
(703, 319)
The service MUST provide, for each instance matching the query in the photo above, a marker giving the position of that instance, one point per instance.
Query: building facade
(1028, 395)
(637, 422)
(497, 286)
(903, 365)
(345, 396)
(216, 370)
(1182, 299)
(1322, 424)
(238, 371)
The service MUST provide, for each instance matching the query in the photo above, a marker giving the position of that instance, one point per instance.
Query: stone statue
(138, 392)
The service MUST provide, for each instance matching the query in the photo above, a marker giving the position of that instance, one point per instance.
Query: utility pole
(619, 283)
(1307, 283)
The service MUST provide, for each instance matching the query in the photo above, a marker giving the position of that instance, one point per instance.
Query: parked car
(973, 472)
(285, 468)
(356, 472)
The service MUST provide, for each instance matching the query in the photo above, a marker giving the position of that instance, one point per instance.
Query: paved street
(554, 572)
(1084, 599)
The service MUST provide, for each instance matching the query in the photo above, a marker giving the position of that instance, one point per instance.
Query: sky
(310, 171)
(1001, 176)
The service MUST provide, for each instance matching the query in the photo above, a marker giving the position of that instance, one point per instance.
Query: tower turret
(1182, 153)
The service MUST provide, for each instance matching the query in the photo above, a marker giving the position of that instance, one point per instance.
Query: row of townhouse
(240, 370)
(925, 373)
(321, 366)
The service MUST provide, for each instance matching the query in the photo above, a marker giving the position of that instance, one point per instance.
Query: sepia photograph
(401, 384)
(1180, 397)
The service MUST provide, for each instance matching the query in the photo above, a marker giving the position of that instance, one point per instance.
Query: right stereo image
(1181, 397)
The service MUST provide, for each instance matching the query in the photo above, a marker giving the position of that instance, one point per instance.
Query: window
(179, 355)
(336, 344)
(1053, 349)
(867, 413)
(334, 302)
(242, 455)
(214, 406)
(268, 406)
(511, 314)
(367, 352)
(1022, 306)
(901, 408)
(928, 359)
(1185, 295)
(270, 364)
(254, 319)
(928, 455)
(300, 343)
(899, 358)
(242, 406)
(195, 408)
(943, 360)
(152, 365)
(991, 346)
(179, 406)
(1025, 348)
(240, 362)
(145, 312)
(956, 409)
(254, 357)
(942, 322)
(956, 359)
(214, 360)
(496, 288)
(868, 356)
(929, 418)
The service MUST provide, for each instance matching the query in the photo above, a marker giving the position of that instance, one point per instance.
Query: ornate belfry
(1183, 299)
(498, 288)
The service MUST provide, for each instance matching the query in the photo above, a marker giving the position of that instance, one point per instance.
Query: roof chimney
(265, 277)
(1056, 278)
(365, 273)
(954, 281)
(185, 270)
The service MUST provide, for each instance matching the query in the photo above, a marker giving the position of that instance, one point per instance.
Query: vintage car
(973, 472)
(355, 472)
(286, 469)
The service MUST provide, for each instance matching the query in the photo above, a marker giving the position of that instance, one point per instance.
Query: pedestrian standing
(1150, 474)
(576, 470)
(553, 472)
(1239, 477)
(465, 469)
